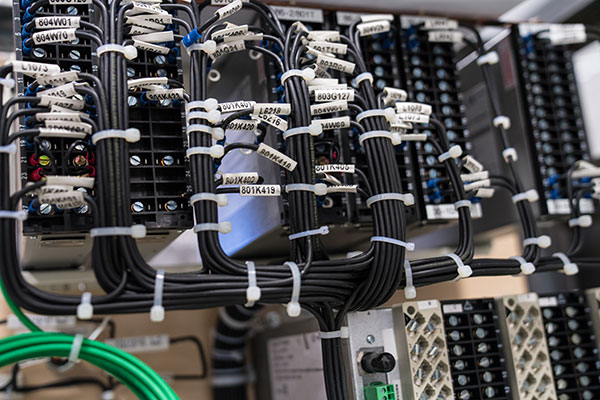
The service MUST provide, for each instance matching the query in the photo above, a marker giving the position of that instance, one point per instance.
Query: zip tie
(8, 149)
(583, 221)
(85, 309)
(314, 129)
(488, 58)
(413, 137)
(308, 74)
(502, 121)
(293, 307)
(76, 348)
(324, 230)
(464, 271)
(8, 83)
(542, 242)
(216, 151)
(453, 152)
(216, 133)
(212, 116)
(221, 227)
(130, 52)
(394, 137)
(365, 76)
(410, 291)
(20, 215)
(462, 203)
(510, 154)
(220, 199)
(132, 135)
(388, 113)
(531, 196)
(206, 105)
(319, 189)
(408, 199)
(135, 231)
(527, 268)
(342, 333)
(409, 246)
(157, 312)
(253, 292)
(569, 268)
(209, 47)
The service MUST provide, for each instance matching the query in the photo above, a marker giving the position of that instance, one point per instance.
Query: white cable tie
(85, 309)
(453, 152)
(157, 312)
(510, 154)
(542, 242)
(293, 307)
(319, 189)
(253, 292)
(531, 196)
(314, 129)
(408, 199)
(209, 47)
(527, 268)
(8, 149)
(324, 230)
(216, 133)
(342, 333)
(569, 268)
(583, 221)
(394, 137)
(491, 58)
(130, 52)
(308, 74)
(220, 199)
(215, 151)
(132, 135)
(206, 105)
(503, 121)
(409, 246)
(8, 83)
(462, 203)
(212, 116)
(413, 137)
(410, 291)
(365, 76)
(75, 348)
(388, 113)
(99, 329)
(18, 215)
(221, 227)
(464, 271)
(135, 231)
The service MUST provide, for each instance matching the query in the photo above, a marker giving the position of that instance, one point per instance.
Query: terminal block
(527, 353)
(421, 341)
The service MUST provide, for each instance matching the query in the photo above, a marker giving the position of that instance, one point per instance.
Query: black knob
(375, 362)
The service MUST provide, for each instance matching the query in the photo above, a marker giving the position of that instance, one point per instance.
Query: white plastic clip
(319, 189)
(388, 113)
(85, 309)
(314, 129)
(19, 215)
(132, 135)
(527, 268)
(542, 242)
(206, 105)
(324, 230)
(462, 203)
(212, 116)
(220, 199)
(453, 152)
(130, 52)
(343, 333)
(583, 221)
(531, 196)
(215, 151)
(253, 292)
(8, 83)
(569, 268)
(209, 47)
(8, 149)
(409, 246)
(308, 74)
(365, 76)
(408, 199)
(503, 121)
(157, 312)
(135, 231)
(216, 133)
(293, 307)
(394, 137)
(221, 227)
(464, 271)
(488, 58)
(410, 291)
(510, 154)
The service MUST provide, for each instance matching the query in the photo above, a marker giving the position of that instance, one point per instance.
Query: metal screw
(132, 101)
(44, 161)
(75, 67)
(74, 55)
(83, 209)
(160, 59)
(135, 160)
(39, 53)
(161, 73)
(75, 41)
(46, 144)
(79, 147)
(167, 161)
(130, 72)
(165, 103)
(45, 209)
(80, 161)
(72, 10)
(137, 207)
(171, 205)
(370, 339)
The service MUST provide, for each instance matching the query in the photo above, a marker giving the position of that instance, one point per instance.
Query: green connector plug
(380, 391)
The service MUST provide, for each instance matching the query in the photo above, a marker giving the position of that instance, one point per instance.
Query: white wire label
(326, 62)
(58, 116)
(274, 121)
(153, 48)
(327, 36)
(342, 189)
(331, 107)
(165, 94)
(57, 79)
(329, 95)
(413, 117)
(334, 123)
(330, 168)
(440, 23)
(567, 34)
(229, 9)
(373, 28)
(243, 125)
(70, 125)
(228, 48)
(414, 108)
(56, 22)
(66, 90)
(236, 106)
(155, 37)
(72, 104)
(64, 200)
(240, 178)
(141, 344)
(277, 157)
(260, 190)
(329, 47)
(54, 36)
(272, 108)
(70, 2)
(445, 36)
(471, 164)
(35, 69)
(231, 32)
